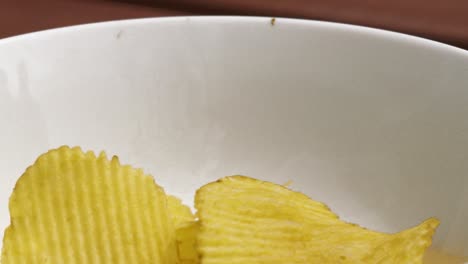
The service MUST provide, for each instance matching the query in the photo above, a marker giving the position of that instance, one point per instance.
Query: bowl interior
(372, 123)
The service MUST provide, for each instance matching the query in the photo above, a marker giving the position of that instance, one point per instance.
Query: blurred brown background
(445, 21)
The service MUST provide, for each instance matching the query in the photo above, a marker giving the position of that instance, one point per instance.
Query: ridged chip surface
(243, 220)
(186, 230)
(73, 207)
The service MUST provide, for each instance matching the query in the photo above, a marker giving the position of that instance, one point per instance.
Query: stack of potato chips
(72, 207)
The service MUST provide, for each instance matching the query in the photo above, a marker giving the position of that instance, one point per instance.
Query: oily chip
(243, 220)
(73, 207)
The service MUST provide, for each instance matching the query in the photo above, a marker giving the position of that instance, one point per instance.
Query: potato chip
(180, 213)
(186, 230)
(73, 207)
(186, 236)
(243, 220)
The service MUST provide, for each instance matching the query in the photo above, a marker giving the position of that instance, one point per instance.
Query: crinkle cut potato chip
(186, 230)
(73, 207)
(186, 237)
(243, 220)
(180, 213)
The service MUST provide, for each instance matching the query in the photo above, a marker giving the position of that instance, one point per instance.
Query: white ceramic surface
(372, 122)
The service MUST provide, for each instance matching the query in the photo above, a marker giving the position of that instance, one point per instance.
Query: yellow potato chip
(186, 230)
(243, 220)
(186, 236)
(180, 213)
(72, 207)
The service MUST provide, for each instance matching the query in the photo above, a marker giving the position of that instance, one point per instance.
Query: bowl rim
(370, 31)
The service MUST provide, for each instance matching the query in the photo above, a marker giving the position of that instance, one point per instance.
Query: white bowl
(371, 122)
